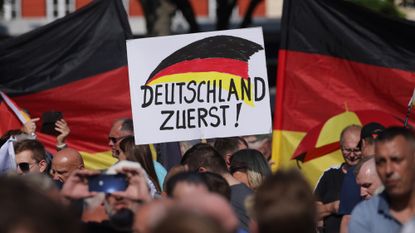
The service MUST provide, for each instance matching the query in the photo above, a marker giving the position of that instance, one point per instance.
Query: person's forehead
(117, 132)
(352, 134)
(24, 156)
(59, 164)
(397, 146)
(116, 128)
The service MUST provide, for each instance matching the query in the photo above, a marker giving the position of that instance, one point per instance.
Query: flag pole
(408, 112)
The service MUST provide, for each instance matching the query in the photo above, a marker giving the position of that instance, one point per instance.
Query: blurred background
(163, 17)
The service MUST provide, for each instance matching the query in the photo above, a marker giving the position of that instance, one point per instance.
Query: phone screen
(107, 183)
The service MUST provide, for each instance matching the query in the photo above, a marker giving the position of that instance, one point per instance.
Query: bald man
(367, 178)
(64, 163)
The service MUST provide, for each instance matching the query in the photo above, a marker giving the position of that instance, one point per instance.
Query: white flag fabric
(7, 157)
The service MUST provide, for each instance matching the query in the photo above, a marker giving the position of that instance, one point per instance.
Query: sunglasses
(24, 167)
(115, 140)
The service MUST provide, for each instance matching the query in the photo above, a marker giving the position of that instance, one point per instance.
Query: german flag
(338, 64)
(11, 116)
(210, 59)
(76, 65)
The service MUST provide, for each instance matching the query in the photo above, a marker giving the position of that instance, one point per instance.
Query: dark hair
(31, 209)
(37, 149)
(217, 184)
(142, 155)
(392, 132)
(253, 163)
(228, 145)
(204, 155)
(188, 177)
(127, 124)
(181, 220)
(284, 203)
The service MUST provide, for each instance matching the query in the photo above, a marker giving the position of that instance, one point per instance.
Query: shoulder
(331, 171)
(366, 209)
(363, 218)
(240, 188)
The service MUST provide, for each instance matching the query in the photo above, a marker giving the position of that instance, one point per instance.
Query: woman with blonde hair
(250, 167)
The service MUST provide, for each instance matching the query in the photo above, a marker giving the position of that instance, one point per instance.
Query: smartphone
(48, 122)
(106, 183)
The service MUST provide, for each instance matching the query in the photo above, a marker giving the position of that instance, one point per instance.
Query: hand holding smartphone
(48, 122)
(107, 183)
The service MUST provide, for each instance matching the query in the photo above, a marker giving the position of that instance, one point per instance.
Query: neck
(403, 207)
(401, 202)
(230, 179)
(345, 167)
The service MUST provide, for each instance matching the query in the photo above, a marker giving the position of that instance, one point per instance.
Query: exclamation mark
(238, 110)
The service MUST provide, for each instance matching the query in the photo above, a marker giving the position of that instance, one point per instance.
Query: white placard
(201, 85)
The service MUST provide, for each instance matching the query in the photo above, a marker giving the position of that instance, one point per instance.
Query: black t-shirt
(328, 190)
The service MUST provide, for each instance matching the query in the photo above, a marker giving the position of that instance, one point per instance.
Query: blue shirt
(160, 172)
(373, 216)
(350, 193)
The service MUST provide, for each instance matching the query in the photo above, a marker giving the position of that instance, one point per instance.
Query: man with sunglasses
(30, 157)
(329, 186)
(120, 129)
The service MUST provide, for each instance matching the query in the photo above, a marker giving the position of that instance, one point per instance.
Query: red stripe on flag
(89, 106)
(282, 55)
(222, 65)
(8, 118)
(313, 87)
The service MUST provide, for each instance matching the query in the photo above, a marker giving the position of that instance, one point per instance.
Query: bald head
(64, 162)
(368, 179)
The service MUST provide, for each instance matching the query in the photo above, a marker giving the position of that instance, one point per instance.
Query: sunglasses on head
(115, 140)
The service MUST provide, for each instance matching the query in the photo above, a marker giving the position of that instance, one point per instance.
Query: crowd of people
(220, 185)
(158, 14)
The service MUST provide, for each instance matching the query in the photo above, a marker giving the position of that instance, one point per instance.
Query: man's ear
(228, 159)
(253, 226)
(42, 165)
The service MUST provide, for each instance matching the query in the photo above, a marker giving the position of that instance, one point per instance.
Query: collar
(383, 207)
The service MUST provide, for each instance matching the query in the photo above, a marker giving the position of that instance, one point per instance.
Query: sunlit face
(115, 136)
(62, 168)
(25, 163)
(349, 148)
(394, 161)
(368, 180)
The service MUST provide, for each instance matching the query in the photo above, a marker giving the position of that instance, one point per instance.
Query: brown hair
(284, 203)
(179, 221)
(142, 155)
(204, 155)
(37, 149)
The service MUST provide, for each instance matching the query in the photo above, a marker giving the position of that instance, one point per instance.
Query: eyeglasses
(24, 167)
(115, 140)
(355, 150)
